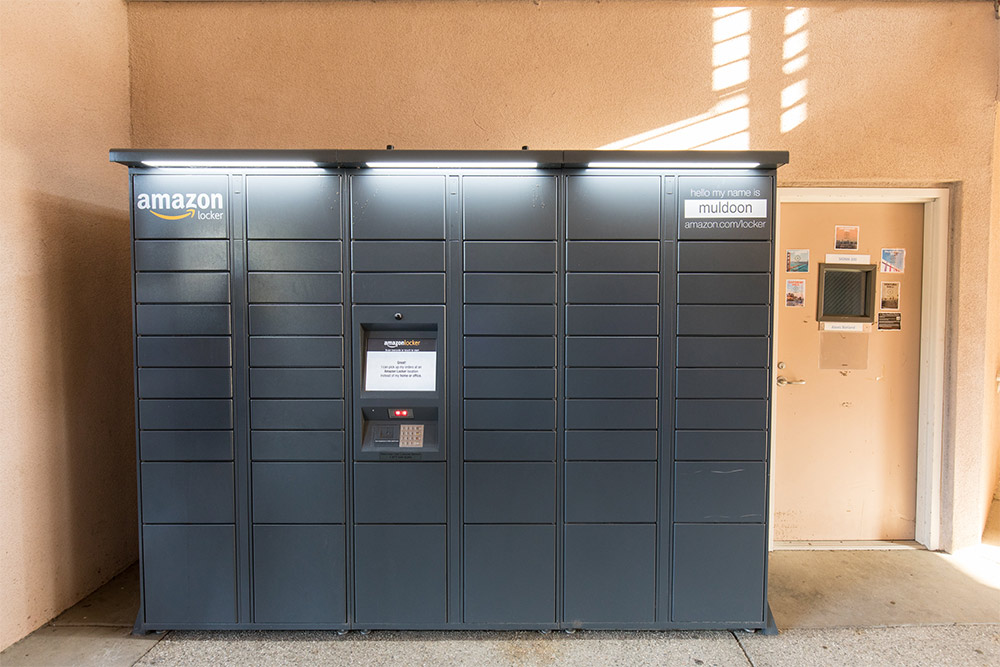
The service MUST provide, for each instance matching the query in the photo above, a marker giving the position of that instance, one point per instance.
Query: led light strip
(673, 165)
(253, 164)
(452, 165)
(447, 165)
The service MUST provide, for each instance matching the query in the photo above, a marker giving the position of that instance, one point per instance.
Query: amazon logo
(178, 206)
(392, 344)
(186, 214)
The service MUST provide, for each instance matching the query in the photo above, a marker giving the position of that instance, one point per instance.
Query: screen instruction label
(400, 364)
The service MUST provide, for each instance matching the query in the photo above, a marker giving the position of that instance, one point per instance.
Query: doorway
(855, 459)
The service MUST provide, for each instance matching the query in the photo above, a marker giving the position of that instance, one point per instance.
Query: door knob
(782, 381)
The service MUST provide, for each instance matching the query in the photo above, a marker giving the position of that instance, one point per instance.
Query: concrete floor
(905, 607)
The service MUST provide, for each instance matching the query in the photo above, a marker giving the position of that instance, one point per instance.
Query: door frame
(934, 286)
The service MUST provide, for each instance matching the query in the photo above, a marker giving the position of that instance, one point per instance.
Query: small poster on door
(795, 293)
(797, 261)
(893, 260)
(890, 321)
(890, 295)
(846, 237)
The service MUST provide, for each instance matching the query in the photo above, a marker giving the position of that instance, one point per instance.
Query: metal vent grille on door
(844, 293)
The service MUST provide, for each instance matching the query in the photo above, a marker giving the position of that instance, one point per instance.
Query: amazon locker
(440, 389)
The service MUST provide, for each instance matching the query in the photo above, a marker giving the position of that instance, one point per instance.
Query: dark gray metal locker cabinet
(452, 389)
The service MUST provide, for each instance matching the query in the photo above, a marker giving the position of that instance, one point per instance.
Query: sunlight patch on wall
(794, 109)
(730, 47)
(726, 126)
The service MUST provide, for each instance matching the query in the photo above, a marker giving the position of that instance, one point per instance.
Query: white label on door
(716, 209)
(844, 326)
(848, 259)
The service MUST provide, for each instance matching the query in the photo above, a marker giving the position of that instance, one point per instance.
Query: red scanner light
(400, 413)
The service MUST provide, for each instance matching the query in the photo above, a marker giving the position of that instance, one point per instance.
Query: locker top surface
(354, 159)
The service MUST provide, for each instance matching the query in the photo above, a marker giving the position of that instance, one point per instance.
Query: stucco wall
(67, 480)
(991, 471)
(883, 93)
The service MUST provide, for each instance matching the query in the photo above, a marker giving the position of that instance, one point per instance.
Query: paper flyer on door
(797, 261)
(890, 322)
(893, 260)
(795, 293)
(890, 295)
(846, 237)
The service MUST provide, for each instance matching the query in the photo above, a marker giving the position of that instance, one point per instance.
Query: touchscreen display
(403, 363)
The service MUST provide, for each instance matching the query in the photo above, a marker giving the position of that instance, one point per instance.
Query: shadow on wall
(87, 497)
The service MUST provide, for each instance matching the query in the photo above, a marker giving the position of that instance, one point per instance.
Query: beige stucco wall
(991, 470)
(883, 93)
(67, 480)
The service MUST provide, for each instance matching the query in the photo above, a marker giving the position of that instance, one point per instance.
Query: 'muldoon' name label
(716, 209)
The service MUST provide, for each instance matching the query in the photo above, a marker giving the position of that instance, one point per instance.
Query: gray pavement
(924, 645)
(966, 644)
